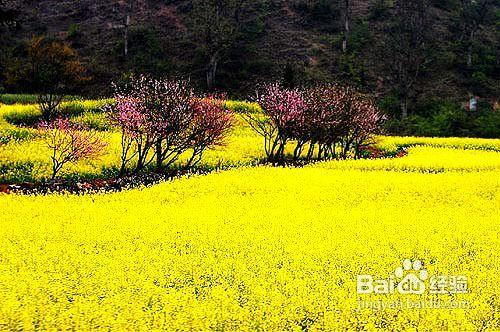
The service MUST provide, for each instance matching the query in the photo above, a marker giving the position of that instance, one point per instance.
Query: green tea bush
(30, 115)
(16, 172)
(23, 115)
(10, 99)
(78, 107)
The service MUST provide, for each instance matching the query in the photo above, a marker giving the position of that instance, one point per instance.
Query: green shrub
(74, 31)
(30, 115)
(447, 119)
(488, 124)
(23, 115)
(79, 107)
(15, 135)
(242, 106)
(16, 172)
(96, 121)
(10, 99)
(25, 99)
(390, 104)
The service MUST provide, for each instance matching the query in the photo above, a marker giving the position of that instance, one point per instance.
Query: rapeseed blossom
(252, 248)
(256, 248)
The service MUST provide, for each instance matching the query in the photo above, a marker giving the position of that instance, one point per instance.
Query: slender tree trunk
(212, 70)
(140, 156)
(125, 149)
(404, 107)
(55, 166)
(470, 48)
(159, 161)
(311, 151)
(125, 35)
(140, 163)
(281, 152)
(272, 154)
(346, 26)
(298, 150)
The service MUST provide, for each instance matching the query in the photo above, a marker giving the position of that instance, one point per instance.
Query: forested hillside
(422, 59)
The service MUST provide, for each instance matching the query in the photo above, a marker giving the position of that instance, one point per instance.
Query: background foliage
(231, 45)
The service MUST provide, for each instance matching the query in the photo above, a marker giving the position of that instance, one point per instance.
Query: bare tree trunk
(404, 107)
(125, 26)
(310, 151)
(212, 70)
(346, 25)
(125, 35)
(470, 48)
(48, 104)
(159, 161)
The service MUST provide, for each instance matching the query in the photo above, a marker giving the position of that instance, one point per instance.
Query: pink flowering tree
(70, 143)
(211, 125)
(343, 121)
(162, 119)
(282, 119)
(136, 139)
(366, 122)
(335, 121)
(330, 119)
(153, 116)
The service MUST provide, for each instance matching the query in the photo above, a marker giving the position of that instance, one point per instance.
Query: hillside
(298, 40)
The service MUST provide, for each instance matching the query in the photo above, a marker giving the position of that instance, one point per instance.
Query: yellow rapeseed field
(257, 247)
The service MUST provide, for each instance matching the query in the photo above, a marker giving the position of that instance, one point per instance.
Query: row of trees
(160, 120)
(163, 119)
(334, 121)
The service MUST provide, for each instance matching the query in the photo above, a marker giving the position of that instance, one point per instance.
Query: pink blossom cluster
(161, 119)
(334, 121)
(285, 107)
(210, 126)
(70, 143)
(343, 120)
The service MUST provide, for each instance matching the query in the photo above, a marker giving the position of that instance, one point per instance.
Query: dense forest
(425, 61)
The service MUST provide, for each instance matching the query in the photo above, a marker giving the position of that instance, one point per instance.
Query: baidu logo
(412, 278)
(406, 279)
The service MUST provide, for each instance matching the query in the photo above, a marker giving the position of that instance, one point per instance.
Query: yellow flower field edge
(25, 158)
